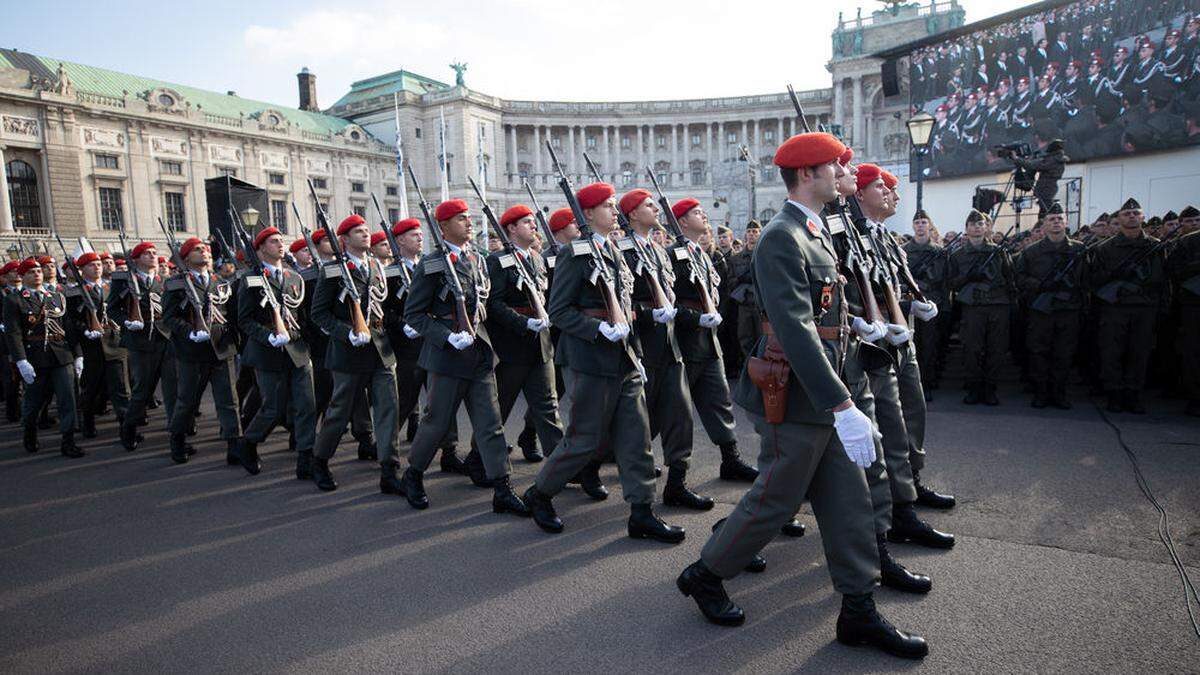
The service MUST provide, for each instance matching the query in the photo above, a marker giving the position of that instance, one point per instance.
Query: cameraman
(1048, 162)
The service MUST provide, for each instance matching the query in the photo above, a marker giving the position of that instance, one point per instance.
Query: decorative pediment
(164, 100)
(271, 119)
(354, 134)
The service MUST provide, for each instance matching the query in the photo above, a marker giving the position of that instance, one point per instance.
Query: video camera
(1009, 150)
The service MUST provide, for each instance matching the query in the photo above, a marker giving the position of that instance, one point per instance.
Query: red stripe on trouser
(763, 496)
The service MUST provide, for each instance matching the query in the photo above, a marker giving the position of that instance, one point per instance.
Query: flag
(442, 157)
(481, 165)
(400, 159)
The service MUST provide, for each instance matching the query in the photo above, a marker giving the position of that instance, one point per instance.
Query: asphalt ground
(125, 562)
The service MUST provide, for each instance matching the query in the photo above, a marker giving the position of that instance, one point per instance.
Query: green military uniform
(104, 359)
(1051, 276)
(985, 293)
(1183, 266)
(11, 380)
(928, 261)
(749, 323)
(151, 357)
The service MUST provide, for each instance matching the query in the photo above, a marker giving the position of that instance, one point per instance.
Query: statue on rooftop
(459, 69)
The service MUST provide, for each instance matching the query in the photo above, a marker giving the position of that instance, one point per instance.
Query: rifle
(606, 283)
(93, 313)
(978, 266)
(886, 277)
(307, 234)
(225, 248)
(199, 321)
(938, 253)
(135, 285)
(397, 255)
(541, 219)
(255, 266)
(462, 320)
(1044, 301)
(799, 110)
(1110, 292)
(358, 322)
(706, 303)
(523, 278)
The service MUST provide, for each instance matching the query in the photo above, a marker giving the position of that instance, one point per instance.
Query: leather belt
(603, 314)
(525, 310)
(823, 332)
(692, 304)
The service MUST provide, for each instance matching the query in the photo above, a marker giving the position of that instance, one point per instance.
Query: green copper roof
(105, 82)
(388, 84)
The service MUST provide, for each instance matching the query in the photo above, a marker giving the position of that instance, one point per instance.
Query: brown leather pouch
(770, 374)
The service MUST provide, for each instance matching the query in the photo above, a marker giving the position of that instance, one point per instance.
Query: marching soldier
(104, 359)
(458, 356)
(42, 354)
(980, 274)
(927, 261)
(815, 443)
(10, 283)
(1183, 265)
(1051, 274)
(276, 350)
(696, 328)
(1129, 279)
(741, 266)
(603, 372)
(667, 394)
(195, 310)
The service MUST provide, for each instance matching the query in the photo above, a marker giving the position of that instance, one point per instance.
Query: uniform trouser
(445, 393)
(285, 392)
(12, 388)
(409, 379)
(1050, 339)
(57, 381)
(347, 387)
(929, 345)
(984, 334)
(1189, 348)
(1126, 338)
(148, 368)
(100, 375)
(536, 382)
(710, 393)
(604, 411)
(361, 428)
(799, 461)
(322, 385)
(193, 379)
(877, 475)
(890, 418)
(248, 393)
(670, 404)
(912, 403)
(749, 328)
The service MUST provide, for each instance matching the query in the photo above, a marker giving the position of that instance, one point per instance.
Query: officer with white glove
(198, 335)
(27, 372)
(897, 334)
(710, 320)
(461, 340)
(857, 434)
(868, 331)
(925, 311)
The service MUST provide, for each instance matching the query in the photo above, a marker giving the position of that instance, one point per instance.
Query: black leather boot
(732, 466)
(366, 451)
(321, 474)
(792, 528)
(476, 471)
(231, 453)
(504, 500)
(589, 479)
(412, 486)
(179, 453)
(389, 482)
(894, 575)
(528, 442)
(410, 431)
(130, 438)
(304, 465)
(451, 463)
(907, 527)
(929, 497)
(708, 590)
(248, 456)
(542, 509)
(676, 492)
(860, 625)
(974, 393)
(68, 448)
(643, 524)
(31, 438)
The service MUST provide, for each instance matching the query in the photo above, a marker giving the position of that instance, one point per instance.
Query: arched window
(662, 171)
(23, 195)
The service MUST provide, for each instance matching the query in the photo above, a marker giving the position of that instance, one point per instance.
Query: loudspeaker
(986, 199)
(891, 81)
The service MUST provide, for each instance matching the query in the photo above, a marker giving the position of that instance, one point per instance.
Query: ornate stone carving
(27, 127)
(171, 147)
(356, 171)
(102, 138)
(224, 154)
(274, 160)
(316, 166)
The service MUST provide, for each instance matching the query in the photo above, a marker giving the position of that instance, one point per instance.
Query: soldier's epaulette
(835, 225)
(391, 271)
(120, 275)
(625, 244)
(331, 271)
(434, 265)
(254, 281)
(550, 259)
(72, 292)
(309, 273)
(681, 252)
(581, 247)
(175, 284)
(506, 260)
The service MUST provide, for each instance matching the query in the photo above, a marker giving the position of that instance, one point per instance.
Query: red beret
(514, 214)
(262, 236)
(846, 157)
(27, 265)
(561, 218)
(633, 199)
(867, 174)
(105, 255)
(889, 180)
(298, 245)
(447, 210)
(141, 248)
(684, 205)
(809, 149)
(377, 237)
(593, 195)
(188, 246)
(9, 266)
(46, 260)
(405, 225)
(352, 221)
(318, 236)
(86, 258)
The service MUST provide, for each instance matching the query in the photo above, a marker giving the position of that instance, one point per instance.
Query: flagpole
(444, 166)
(400, 159)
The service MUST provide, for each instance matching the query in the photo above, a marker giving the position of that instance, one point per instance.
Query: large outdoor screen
(1108, 77)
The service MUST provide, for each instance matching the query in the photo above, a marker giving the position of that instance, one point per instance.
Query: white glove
(198, 335)
(868, 332)
(641, 370)
(27, 372)
(78, 366)
(613, 333)
(461, 341)
(411, 332)
(359, 339)
(664, 314)
(278, 340)
(92, 334)
(134, 325)
(3, 329)
(857, 434)
(710, 320)
(924, 310)
(897, 335)
(537, 325)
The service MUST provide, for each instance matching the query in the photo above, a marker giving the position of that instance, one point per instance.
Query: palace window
(695, 140)
(591, 143)
(276, 178)
(173, 211)
(769, 135)
(357, 187)
(391, 190)
(697, 171)
(731, 137)
(169, 168)
(626, 142)
(320, 183)
(279, 215)
(111, 215)
(227, 171)
(360, 210)
(393, 215)
(23, 195)
(660, 141)
(108, 162)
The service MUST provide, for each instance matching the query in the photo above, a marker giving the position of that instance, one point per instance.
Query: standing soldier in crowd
(44, 357)
(1051, 274)
(696, 325)
(980, 274)
(104, 360)
(928, 261)
(741, 268)
(196, 311)
(1129, 277)
(10, 283)
(1183, 266)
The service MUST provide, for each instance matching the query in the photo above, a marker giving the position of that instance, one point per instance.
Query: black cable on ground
(1164, 527)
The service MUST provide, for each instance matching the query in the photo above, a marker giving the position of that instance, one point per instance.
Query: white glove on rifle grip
(411, 332)
(278, 340)
(134, 325)
(925, 311)
(868, 332)
(198, 335)
(611, 332)
(857, 434)
(461, 341)
(27, 372)
(92, 334)
(663, 314)
(710, 320)
(78, 366)
(897, 335)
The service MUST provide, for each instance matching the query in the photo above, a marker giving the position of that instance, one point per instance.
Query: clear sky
(516, 49)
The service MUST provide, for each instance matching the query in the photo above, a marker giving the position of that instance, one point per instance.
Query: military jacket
(1183, 266)
(182, 316)
(1037, 266)
(995, 286)
(34, 328)
(256, 320)
(430, 309)
(406, 349)
(331, 313)
(658, 342)
(695, 274)
(928, 263)
(155, 331)
(1116, 281)
(108, 346)
(509, 307)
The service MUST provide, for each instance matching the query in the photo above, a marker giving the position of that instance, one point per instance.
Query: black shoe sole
(647, 535)
(893, 652)
(550, 529)
(905, 539)
(501, 508)
(706, 505)
(936, 505)
(732, 622)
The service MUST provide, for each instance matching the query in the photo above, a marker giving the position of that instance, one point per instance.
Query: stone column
(752, 143)
(837, 103)
(572, 165)
(606, 152)
(641, 153)
(6, 221)
(651, 150)
(712, 156)
(616, 167)
(721, 141)
(858, 111)
(675, 149)
(513, 178)
(685, 175)
(537, 153)
(779, 139)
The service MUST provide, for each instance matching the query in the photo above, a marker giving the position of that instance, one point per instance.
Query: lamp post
(250, 218)
(920, 128)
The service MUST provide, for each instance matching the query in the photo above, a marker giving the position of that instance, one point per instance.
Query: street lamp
(920, 128)
(250, 218)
